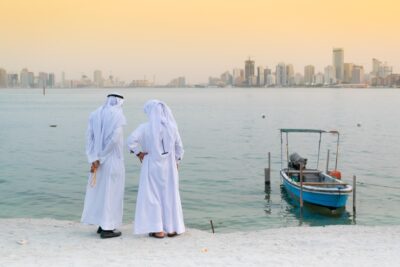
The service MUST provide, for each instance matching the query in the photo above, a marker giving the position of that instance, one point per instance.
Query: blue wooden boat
(323, 188)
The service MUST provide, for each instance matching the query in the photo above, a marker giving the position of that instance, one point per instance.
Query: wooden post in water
(212, 226)
(354, 194)
(267, 171)
(301, 186)
(327, 162)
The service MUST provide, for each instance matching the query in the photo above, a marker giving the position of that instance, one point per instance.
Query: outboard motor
(296, 161)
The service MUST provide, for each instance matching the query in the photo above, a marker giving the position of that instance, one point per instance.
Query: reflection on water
(312, 215)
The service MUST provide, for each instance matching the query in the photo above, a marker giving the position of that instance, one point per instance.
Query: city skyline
(194, 39)
(338, 73)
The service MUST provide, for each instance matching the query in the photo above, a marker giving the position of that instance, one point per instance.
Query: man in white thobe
(158, 145)
(104, 148)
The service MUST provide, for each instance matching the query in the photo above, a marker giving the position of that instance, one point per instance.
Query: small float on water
(322, 188)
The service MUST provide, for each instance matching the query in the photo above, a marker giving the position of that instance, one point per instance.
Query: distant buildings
(250, 78)
(178, 82)
(347, 72)
(339, 74)
(338, 63)
(309, 72)
(98, 78)
(281, 75)
(329, 75)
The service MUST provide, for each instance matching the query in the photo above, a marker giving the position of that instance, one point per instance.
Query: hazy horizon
(196, 39)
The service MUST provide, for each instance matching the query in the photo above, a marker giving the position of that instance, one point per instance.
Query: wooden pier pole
(212, 226)
(354, 193)
(327, 162)
(267, 171)
(301, 186)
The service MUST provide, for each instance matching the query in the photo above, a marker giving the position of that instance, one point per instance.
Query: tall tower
(281, 75)
(98, 78)
(309, 72)
(249, 70)
(338, 63)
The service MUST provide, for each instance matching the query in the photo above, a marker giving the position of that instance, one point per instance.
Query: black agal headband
(115, 95)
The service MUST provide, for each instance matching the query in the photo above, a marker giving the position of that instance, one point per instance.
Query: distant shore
(48, 242)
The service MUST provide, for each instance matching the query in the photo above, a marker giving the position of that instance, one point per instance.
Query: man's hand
(94, 166)
(141, 156)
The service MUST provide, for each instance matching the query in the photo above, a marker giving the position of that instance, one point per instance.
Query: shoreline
(49, 242)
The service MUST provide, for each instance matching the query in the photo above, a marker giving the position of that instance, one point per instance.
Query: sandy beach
(47, 242)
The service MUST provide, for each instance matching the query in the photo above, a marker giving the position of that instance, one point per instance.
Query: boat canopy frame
(317, 131)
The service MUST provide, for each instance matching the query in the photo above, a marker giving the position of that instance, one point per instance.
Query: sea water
(227, 134)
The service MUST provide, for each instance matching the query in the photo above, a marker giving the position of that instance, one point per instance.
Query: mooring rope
(378, 185)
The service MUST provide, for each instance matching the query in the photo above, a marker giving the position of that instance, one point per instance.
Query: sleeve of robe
(178, 148)
(135, 139)
(109, 147)
(91, 154)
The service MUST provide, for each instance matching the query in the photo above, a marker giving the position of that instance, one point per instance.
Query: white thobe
(158, 205)
(104, 201)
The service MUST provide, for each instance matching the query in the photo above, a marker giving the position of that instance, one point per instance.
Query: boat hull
(336, 198)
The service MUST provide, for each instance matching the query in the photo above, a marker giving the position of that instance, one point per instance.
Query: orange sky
(194, 38)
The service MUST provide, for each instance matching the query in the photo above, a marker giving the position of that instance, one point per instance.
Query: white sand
(63, 243)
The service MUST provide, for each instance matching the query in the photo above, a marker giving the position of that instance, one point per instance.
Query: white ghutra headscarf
(163, 128)
(105, 120)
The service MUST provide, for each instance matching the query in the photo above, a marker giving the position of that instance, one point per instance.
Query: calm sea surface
(43, 169)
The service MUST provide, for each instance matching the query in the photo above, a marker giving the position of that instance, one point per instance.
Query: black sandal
(172, 234)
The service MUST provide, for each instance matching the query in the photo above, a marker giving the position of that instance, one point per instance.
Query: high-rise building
(260, 76)
(298, 79)
(376, 64)
(237, 77)
(3, 78)
(281, 75)
(98, 78)
(267, 72)
(226, 78)
(309, 72)
(51, 82)
(384, 70)
(358, 74)
(12, 80)
(24, 78)
(249, 70)
(319, 79)
(329, 75)
(338, 63)
(43, 79)
(290, 74)
(348, 72)
(270, 80)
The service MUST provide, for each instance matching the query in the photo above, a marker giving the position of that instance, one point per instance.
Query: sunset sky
(194, 38)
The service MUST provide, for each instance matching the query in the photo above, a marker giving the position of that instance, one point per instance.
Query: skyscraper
(357, 74)
(51, 82)
(24, 78)
(329, 75)
(376, 64)
(309, 72)
(3, 78)
(249, 70)
(43, 79)
(281, 75)
(290, 74)
(98, 78)
(347, 72)
(338, 63)
(260, 76)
